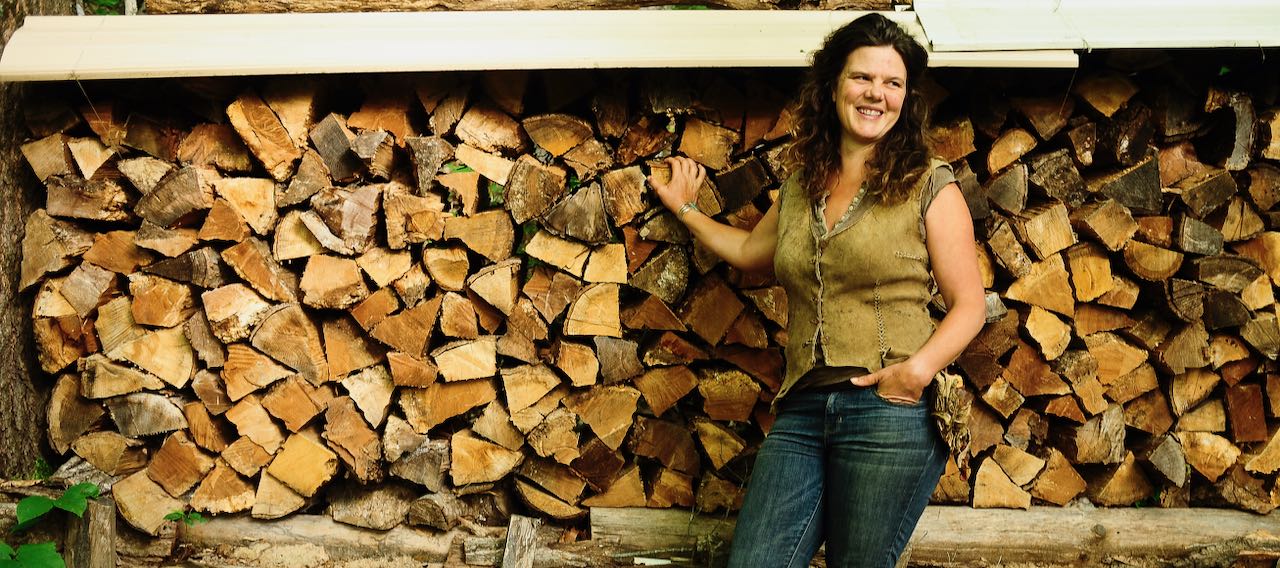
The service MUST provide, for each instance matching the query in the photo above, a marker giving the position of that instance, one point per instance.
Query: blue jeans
(847, 467)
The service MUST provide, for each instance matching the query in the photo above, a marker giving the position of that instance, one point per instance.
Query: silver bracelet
(690, 206)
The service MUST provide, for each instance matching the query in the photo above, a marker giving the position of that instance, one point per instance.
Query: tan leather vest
(861, 291)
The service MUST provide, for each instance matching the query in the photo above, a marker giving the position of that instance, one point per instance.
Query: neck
(853, 156)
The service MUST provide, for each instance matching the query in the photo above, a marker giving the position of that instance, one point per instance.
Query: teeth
(870, 112)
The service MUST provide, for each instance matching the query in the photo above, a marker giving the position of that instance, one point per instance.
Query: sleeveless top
(857, 295)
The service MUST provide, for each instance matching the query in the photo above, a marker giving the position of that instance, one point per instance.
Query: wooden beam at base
(961, 536)
(111, 47)
(319, 538)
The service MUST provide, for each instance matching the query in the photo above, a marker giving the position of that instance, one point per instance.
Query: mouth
(870, 112)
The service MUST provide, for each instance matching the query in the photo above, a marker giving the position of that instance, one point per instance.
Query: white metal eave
(112, 47)
(979, 25)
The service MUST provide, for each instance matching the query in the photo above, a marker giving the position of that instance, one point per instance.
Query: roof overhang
(50, 48)
(983, 25)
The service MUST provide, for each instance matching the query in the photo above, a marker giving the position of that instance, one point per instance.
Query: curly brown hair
(902, 155)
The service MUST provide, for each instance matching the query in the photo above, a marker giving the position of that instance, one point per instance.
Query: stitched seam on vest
(875, 301)
(909, 256)
(819, 352)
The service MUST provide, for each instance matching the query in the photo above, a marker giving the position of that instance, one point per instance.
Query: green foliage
(190, 518)
(527, 231)
(38, 555)
(574, 182)
(74, 500)
(42, 469)
(690, 7)
(1152, 500)
(103, 7)
(497, 194)
(30, 510)
(455, 167)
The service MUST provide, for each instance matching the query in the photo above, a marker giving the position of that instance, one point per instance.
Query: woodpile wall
(442, 299)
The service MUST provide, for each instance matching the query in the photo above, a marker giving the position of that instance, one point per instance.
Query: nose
(876, 91)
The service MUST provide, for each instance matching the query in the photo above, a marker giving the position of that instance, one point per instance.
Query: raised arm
(745, 250)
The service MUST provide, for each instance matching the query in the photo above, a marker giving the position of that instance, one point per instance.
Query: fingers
(868, 380)
(687, 170)
(687, 175)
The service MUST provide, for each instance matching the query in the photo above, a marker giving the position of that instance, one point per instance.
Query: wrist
(686, 208)
(920, 372)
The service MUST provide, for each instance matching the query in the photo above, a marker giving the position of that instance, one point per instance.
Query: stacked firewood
(440, 298)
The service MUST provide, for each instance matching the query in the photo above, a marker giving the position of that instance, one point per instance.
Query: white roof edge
(982, 25)
(51, 48)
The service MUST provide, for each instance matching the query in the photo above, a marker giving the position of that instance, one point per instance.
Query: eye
(896, 84)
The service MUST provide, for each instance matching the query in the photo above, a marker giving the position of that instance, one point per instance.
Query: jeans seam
(807, 527)
(915, 491)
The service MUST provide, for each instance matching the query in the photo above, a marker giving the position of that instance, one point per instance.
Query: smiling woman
(870, 94)
(852, 459)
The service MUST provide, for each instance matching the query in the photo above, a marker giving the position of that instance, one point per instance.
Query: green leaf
(42, 469)
(6, 551)
(174, 516)
(455, 167)
(496, 193)
(31, 509)
(41, 555)
(76, 498)
(9, 563)
(194, 518)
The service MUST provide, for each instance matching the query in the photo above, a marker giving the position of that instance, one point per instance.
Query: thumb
(866, 380)
(655, 184)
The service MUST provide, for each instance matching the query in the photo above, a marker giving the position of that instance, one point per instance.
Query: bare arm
(745, 250)
(949, 238)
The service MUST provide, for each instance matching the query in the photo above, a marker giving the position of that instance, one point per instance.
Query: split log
(145, 414)
(1124, 485)
(1059, 483)
(179, 464)
(253, 422)
(350, 436)
(274, 499)
(607, 410)
(69, 416)
(1008, 148)
(426, 408)
(532, 189)
(1230, 143)
(489, 234)
(618, 359)
(427, 465)
(1209, 454)
(206, 431)
(111, 453)
(1099, 440)
(143, 503)
(100, 199)
(581, 216)
(473, 460)
(993, 488)
(223, 491)
(379, 508)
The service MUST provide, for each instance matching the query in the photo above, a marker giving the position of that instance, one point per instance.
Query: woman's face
(869, 94)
